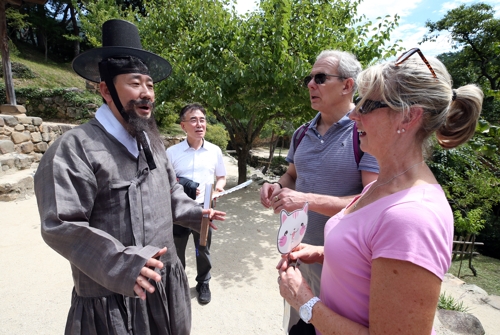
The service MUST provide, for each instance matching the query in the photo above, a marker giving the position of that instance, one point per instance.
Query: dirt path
(36, 284)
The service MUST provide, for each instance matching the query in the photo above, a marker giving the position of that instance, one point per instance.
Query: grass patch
(48, 75)
(488, 272)
(449, 303)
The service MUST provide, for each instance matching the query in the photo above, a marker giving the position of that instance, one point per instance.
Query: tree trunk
(76, 30)
(242, 164)
(272, 148)
(4, 45)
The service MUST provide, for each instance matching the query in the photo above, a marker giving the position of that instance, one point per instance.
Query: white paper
(208, 197)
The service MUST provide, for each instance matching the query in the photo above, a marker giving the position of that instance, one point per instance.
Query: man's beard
(137, 124)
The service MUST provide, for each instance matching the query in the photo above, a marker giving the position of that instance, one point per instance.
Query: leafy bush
(448, 302)
(470, 182)
(32, 97)
(217, 135)
(19, 70)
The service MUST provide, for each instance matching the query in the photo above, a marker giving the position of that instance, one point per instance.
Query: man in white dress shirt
(197, 160)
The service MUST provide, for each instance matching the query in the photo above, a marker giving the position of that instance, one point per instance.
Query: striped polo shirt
(326, 165)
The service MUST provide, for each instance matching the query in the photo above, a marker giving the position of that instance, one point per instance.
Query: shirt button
(322, 141)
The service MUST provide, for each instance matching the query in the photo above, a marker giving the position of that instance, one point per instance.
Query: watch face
(305, 313)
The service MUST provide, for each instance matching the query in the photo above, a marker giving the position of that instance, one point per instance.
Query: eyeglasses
(194, 121)
(319, 78)
(369, 105)
(407, 54)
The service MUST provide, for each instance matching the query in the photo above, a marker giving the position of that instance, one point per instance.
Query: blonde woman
(386, 253)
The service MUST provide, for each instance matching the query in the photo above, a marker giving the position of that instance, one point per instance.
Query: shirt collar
(106, 118)
(344, 121)
(187, 146)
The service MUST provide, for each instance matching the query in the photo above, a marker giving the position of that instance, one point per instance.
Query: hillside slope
(48, 74)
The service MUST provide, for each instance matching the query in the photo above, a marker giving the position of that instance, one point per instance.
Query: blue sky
(413, 15)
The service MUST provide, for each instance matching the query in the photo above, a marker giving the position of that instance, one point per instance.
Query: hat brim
(86, 64)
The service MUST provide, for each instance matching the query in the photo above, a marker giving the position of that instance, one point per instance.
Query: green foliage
(470, 181)
(93, 14)
(217, 135)
(449, 303)
(475, 32)
(21, 71)
(16, 20)
(247, 69)
(85, 101)
(472, 222)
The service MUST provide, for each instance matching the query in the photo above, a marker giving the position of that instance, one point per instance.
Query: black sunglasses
(319, 78)
(407, 54)
(369, 105)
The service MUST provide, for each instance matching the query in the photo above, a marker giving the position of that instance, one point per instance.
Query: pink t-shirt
(414, 225)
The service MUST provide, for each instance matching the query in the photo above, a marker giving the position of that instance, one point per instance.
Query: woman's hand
(305, 252)
(293, 288)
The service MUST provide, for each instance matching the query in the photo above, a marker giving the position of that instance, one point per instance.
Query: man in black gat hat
(108, 196)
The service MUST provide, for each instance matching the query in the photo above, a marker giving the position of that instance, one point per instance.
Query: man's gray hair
(348, 65)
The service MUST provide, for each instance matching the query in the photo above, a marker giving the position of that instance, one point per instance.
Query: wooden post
(4, 45)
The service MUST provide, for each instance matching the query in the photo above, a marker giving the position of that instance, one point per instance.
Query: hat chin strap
(140, 137)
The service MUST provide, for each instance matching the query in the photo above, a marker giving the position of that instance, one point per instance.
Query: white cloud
(373, 9)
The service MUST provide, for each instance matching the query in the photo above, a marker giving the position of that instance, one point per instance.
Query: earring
(401, 131)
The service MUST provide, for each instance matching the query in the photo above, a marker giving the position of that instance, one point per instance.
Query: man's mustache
(141, 102)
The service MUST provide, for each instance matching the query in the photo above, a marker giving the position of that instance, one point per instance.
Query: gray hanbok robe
(107, 213)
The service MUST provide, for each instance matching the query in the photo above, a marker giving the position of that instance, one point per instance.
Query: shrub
(217, 135)
(470, 182)
(20, 71)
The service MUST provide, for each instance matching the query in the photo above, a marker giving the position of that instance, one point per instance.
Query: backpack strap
(301, 132)
(358, 153)
(299, 135)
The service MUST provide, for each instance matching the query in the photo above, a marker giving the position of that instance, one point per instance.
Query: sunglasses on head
(369, 105)
(319, 78)
(407, 54)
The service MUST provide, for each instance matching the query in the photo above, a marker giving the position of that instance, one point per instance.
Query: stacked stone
(23, 140)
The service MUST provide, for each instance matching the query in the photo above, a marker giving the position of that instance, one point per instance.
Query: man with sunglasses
(322, 168)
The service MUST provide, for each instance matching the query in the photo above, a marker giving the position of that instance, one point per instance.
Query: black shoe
(204, 295)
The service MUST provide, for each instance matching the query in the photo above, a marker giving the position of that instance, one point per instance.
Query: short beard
(136, 124)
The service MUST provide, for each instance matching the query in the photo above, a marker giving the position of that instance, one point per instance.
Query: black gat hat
(119, 39)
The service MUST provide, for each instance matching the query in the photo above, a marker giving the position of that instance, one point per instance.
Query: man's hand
(147, 272)
(214, 215)
(287, 199)
(266, 192)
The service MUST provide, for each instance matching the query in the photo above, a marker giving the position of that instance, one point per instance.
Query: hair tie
(454, 95)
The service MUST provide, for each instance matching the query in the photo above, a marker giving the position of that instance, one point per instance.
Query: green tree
(470, 174)
(247, 69)
(475, 33)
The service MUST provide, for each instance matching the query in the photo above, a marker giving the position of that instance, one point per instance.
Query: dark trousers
(203, 263)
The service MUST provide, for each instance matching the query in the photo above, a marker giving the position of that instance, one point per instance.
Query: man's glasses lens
(319, 78)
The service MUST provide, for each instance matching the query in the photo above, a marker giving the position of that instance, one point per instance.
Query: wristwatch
(305, 310)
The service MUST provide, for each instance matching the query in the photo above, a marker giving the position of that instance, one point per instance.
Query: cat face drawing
(292, 229)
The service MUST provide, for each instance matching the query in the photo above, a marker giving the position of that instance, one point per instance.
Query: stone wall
(24, 139)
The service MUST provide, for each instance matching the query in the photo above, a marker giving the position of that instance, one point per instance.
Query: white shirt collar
(105, 116)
